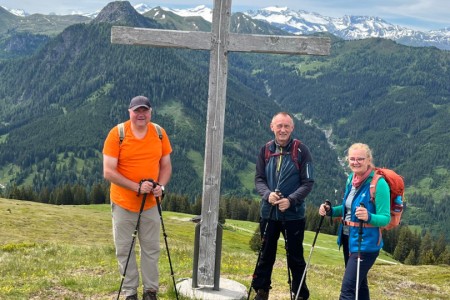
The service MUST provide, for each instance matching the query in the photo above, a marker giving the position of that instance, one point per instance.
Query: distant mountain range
(304, 22)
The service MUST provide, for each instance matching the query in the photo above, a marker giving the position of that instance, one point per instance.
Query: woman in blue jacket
(357, 207)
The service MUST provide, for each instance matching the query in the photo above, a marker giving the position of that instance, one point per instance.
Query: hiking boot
(303, 295)
(132, 297)
(262, 295)
(299, 297)
(149, 295)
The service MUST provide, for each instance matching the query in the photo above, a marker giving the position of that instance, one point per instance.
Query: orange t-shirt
(137, 159)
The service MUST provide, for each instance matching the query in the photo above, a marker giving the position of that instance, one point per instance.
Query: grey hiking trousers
(124, 224)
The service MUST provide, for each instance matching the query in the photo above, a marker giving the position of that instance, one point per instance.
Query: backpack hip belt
(355, 224)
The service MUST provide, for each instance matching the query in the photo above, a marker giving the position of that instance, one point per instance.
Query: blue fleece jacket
(379, 215)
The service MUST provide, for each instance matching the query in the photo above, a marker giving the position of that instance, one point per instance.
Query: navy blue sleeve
(260, 177)
(306, 175)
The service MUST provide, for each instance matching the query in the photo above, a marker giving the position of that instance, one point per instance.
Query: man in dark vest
(283, 185)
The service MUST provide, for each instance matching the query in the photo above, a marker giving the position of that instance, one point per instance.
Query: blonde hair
(366, 148)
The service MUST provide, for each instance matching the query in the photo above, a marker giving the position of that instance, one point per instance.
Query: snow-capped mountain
(17, 12)
(349, 27)
(201, 11)
(303, 22)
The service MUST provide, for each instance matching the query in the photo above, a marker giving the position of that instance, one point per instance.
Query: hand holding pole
(360, 232)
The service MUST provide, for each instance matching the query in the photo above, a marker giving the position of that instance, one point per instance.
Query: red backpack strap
(267, 151)
(294, 152)
(373, 184)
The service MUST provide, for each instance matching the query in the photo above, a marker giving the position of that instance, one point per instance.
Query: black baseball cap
(139, 101)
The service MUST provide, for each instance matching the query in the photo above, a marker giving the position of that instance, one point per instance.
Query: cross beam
(197, 40)
(219, 42)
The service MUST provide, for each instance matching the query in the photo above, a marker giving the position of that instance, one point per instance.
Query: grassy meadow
(67, 252)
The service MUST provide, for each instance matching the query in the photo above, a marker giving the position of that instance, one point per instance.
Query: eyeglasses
(356, 159)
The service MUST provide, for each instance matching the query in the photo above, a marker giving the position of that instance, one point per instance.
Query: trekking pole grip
(144, 180)
(361, 221)
(327, 206)
(328, 212)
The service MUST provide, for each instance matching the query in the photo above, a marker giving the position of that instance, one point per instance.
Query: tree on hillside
(426, 256)
(44, 195)
(197, 207)
(97, 195)
(79, 195)
(404, 244)
(255, 241)
(390, 239)
(439, 246)
(253, 211)
(61, 195)
(176, 203)
(444, 257)
(411, 259)
(66, 196)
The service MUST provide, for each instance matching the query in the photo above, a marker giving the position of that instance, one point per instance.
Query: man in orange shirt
(142, 154)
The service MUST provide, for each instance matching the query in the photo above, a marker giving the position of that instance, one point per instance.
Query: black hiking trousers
(295, 232)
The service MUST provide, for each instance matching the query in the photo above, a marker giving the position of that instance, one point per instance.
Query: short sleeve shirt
(137, 159)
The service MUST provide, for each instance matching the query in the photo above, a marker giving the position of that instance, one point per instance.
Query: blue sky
(415, 14)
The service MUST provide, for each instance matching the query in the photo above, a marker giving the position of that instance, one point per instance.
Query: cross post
(219, 42)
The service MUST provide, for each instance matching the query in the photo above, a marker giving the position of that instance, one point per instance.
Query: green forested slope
(21, 36)
(393, 97)
(77, 87)
(57, 106)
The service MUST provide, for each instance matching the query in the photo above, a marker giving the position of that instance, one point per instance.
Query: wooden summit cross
(219, 41)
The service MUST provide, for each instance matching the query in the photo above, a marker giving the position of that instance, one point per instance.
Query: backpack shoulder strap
(121, 129)
(373, 184)
(295, 149)
(267, 151)
(158, 130)
(294, 152)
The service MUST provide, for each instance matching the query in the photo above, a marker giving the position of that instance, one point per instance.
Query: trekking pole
(286, 246)
(263, 242)
(134, 233)
(158, 202)
(327, 203)
(359, 254)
